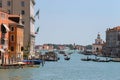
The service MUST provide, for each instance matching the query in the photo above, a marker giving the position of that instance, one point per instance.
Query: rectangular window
(8, 3)
(12, 28)
(23, 4)
(0, 3)
(22, 12)
(22, 48)
(2, 41)
(12, 48)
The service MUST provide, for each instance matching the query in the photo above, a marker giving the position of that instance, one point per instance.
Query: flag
(37, 14)
(37, 30)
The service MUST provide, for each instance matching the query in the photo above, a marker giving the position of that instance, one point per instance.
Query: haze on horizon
(75, 21)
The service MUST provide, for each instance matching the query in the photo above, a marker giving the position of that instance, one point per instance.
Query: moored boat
(67, 58)
(86, 59)
(34, 62)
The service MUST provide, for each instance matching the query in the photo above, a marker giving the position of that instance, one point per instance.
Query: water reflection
(16, 74)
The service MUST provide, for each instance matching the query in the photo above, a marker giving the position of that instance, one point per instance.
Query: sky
(75, 21)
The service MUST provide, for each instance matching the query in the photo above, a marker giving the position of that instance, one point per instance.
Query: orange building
(11, 38)
(4, 36)
(15, 38)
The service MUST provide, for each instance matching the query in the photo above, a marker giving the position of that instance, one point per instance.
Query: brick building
(11, 37)
(16, 36)
(26, 9)
(4, 37)
(113, 42)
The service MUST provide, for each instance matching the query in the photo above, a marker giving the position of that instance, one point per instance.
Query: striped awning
(6, 27)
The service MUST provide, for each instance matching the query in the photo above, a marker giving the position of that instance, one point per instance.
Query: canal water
(74, 69)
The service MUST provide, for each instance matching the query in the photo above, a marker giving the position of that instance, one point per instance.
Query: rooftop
(114, 29)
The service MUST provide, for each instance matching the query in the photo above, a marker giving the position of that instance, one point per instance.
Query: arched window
(12, 37)
(97, 49)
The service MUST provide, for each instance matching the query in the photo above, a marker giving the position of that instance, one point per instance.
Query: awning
(2, 50)
(6, 27)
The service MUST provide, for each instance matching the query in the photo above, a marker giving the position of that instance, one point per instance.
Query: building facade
(38, 48)
(61, 47)
(80, 47)
(113, 42)
(97, 46)
(16, 39)
(48, 47)
(4, 37)
(26, 9)
(11, 38)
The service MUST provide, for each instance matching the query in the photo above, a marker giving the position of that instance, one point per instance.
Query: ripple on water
(74, 69)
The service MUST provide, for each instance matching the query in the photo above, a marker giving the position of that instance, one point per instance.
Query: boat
(61, 52)
(86, 59)
(67, 58)
(11, 66)
(103, 60)
(96, 59)
(34, 62)
(65, 54)
(51, 59)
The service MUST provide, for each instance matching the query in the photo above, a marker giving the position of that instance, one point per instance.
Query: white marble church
(97, 46)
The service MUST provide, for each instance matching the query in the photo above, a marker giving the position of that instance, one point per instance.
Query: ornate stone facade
(97, 46)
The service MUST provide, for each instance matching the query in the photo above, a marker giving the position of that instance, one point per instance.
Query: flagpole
(37, 14)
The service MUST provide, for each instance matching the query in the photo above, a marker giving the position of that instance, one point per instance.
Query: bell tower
(98, 40)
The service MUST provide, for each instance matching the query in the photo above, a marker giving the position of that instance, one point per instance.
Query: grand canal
(74, 69)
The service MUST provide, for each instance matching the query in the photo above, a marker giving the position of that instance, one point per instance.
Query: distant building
(113, 42)
(61, 47)
(80, 47)
(48, 47)
(97, 46)
(104, 50)
(38, 48)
